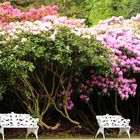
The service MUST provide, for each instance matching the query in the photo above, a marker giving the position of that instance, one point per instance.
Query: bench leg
(36, 133)
(127, 130)
(27, 133)
(121, 130)
(100, 130)
(2, 132)
(3, 136)
(32, 130)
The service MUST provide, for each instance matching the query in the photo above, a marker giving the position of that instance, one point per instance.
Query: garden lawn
(79, 139)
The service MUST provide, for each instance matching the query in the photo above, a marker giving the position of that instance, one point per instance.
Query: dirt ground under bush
(68, 131)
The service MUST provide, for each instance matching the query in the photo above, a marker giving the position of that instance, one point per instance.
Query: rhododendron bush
(8, 13)
(43, 55)
(48, 13)
(123, 37)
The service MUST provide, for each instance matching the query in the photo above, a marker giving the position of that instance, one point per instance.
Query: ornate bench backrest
(15, 120)
(112, 121)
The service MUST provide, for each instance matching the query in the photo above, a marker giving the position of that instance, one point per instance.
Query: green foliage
(132, 8)
(103, 9)
(67, 49)
(29, 53)
(2, 90)
(40, 64)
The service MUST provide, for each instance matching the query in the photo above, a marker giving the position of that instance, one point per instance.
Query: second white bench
(113, 121)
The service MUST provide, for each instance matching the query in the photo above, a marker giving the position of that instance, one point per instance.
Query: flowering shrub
(9, 14)
(123, 37)
(43, 55)
(39, 55)
(46, 13)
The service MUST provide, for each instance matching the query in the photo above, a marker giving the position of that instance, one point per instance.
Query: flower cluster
(68, 103)
(10, 14)
(64, 21)
(46, 13)
(123, 38)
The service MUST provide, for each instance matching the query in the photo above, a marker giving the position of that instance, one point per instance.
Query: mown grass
(72, 137)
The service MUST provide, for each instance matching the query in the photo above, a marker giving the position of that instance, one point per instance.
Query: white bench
(113, 121)
(14, 120)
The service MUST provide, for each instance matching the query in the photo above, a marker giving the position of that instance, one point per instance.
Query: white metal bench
(14, 120)
(113, 121)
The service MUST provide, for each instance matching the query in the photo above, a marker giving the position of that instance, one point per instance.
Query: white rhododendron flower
(23, 40)
(52, 37)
